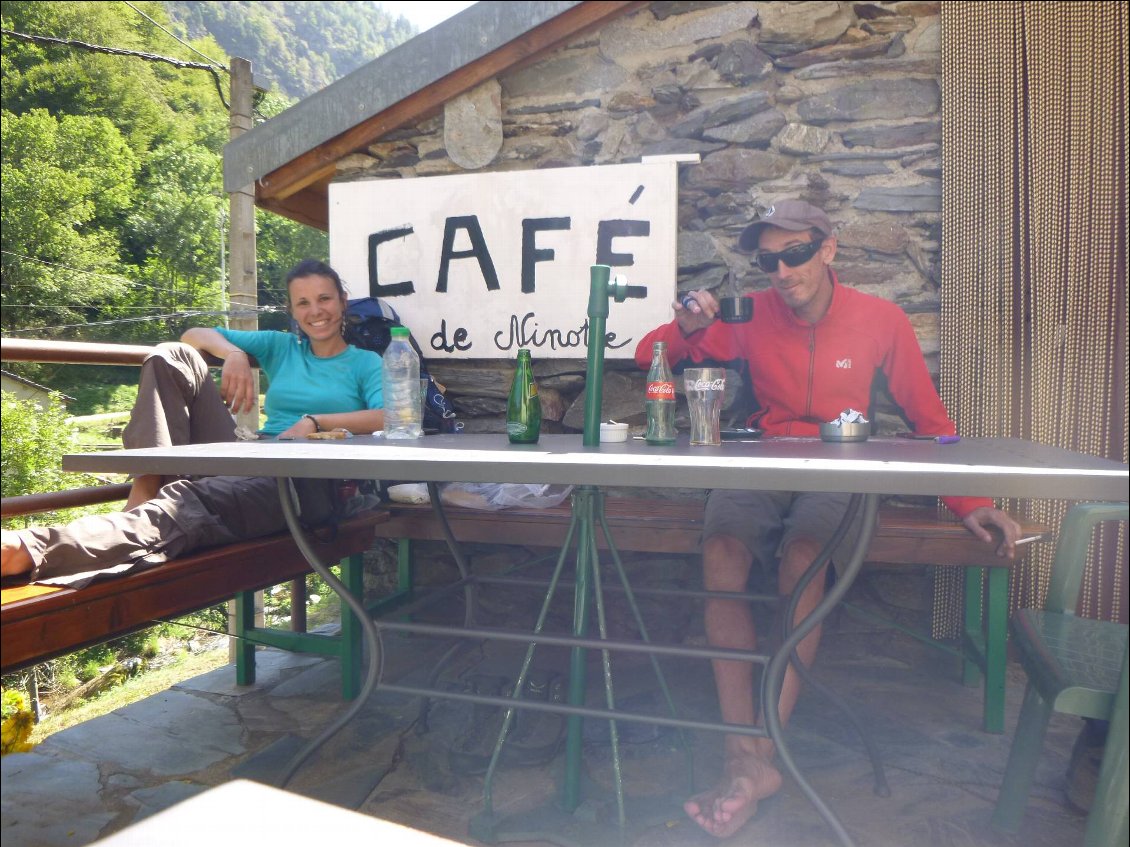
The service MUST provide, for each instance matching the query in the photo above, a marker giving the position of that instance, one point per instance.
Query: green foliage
(96, 397)
(89, 670)
(151, 103)
(34, 440)
(212, 619)
(111, 166)
(152, 645)
(113, 206)
(299, 46)
(13, 701)
(67, 181)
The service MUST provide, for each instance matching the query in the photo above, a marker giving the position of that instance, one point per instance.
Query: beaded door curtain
(1034, 309)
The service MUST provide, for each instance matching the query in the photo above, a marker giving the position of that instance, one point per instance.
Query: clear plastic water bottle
(401, 386)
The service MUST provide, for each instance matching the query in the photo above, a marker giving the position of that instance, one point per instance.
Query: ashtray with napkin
(850, 426)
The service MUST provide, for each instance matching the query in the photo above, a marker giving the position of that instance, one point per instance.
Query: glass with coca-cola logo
(705, 389)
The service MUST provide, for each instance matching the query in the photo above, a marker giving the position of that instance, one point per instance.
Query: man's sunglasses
(794, 257)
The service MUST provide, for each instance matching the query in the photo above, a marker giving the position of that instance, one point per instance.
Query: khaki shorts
(766, 521)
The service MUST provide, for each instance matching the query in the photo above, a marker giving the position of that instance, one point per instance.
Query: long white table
(993, 467)
(1006, 468)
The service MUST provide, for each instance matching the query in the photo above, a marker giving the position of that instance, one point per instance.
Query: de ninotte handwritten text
(524, 332)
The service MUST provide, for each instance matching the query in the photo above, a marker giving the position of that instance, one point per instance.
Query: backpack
(368, 325)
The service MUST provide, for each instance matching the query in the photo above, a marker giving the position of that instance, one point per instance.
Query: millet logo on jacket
(843, 363)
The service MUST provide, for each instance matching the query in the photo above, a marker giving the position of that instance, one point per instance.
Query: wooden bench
(41, 622)
(904, 536)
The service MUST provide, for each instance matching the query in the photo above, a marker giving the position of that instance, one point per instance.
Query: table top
(991, 467)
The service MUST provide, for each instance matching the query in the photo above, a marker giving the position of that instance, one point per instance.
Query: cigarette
(1028, 540)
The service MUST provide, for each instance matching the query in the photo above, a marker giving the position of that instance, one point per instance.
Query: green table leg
(353, 578)
(244, 648)
(996, 649)
(570, 788)
(973, 633)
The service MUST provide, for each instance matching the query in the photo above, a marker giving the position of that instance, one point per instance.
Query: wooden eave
(299, 190)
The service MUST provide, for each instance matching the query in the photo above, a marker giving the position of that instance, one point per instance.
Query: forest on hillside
(114, 215)
(300, 46)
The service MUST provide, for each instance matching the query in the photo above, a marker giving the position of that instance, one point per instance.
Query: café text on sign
(478, 265)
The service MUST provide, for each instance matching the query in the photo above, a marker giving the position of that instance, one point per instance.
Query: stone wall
(837, 103)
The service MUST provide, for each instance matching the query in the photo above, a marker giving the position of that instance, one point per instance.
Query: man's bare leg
(144, 489)
(14, 557)
(749, 774)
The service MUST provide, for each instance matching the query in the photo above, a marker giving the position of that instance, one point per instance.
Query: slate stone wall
(838, 103)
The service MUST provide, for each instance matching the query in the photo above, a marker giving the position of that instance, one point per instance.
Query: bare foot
(14, 557)
(144, 489)
(724, 810)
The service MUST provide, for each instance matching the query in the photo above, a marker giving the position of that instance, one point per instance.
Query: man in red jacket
(813, 348)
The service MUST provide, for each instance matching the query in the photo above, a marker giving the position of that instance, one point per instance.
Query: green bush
(13, 701)
(34, 441)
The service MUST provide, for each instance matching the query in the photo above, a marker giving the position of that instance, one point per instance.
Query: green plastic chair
(1107, 824)
(1074, 666)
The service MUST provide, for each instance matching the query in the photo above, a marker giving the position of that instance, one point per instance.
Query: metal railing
(92, 353)
(68, 353)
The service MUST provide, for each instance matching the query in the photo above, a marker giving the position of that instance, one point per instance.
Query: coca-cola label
(661, 391)
(706, 385)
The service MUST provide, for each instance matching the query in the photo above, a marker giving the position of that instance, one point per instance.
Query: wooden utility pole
(243, 294)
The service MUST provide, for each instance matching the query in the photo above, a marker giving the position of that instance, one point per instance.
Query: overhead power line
(115, 277)
(236, 313)
(118, 51)
(175, 37)
(116, 308)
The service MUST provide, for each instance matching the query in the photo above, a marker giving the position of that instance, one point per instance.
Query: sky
(425, 13)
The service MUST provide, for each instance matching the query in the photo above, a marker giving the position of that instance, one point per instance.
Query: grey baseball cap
(793, 215)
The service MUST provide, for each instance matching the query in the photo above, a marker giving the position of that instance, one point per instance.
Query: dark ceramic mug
(736, 310)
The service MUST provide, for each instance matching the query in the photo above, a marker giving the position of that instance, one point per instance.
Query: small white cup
(612, 432)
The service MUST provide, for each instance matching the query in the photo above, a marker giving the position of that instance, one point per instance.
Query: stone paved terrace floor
(96, 778)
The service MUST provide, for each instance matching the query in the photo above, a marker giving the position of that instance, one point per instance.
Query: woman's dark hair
(315, 267)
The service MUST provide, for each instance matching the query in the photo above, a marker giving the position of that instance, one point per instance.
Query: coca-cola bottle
(523, 409)
(660, 398)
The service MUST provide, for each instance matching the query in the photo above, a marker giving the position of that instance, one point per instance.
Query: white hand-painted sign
(478, 265)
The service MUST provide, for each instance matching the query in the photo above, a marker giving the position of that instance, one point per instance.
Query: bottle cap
(400, 331)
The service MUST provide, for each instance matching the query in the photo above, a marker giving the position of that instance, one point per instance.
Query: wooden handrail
(72, 352)
(84, 353)
(31, 504)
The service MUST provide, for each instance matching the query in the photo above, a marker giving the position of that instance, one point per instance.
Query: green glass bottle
(523, 409)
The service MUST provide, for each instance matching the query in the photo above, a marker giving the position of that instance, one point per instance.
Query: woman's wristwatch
(314, 420)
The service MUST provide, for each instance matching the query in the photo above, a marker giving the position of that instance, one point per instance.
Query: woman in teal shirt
(316, 382)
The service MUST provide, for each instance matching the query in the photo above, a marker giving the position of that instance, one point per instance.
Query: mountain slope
(300, 47)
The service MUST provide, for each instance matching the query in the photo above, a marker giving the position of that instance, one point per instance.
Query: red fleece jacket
(804, 374)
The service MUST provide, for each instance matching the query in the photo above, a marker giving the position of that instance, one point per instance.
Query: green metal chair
(1073, 664)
